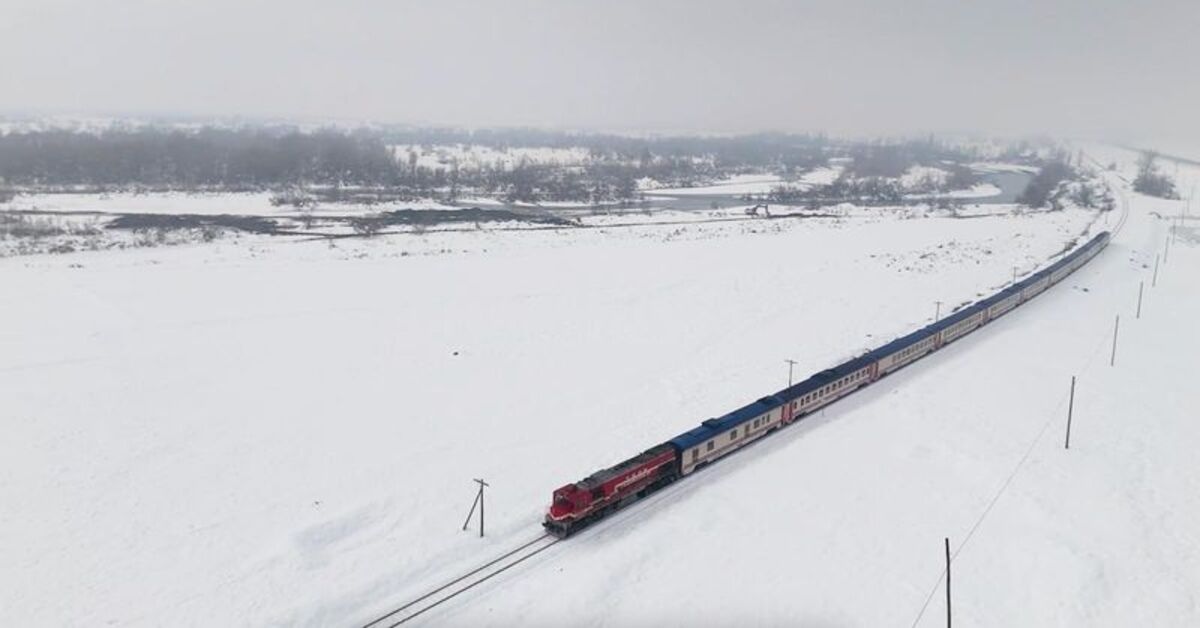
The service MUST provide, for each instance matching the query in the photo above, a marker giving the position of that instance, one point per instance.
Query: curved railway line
(418, 606)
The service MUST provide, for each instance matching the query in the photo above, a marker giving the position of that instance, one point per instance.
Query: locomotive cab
(571, 506)
(567, 502)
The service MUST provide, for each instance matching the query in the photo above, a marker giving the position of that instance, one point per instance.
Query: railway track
(418, 606)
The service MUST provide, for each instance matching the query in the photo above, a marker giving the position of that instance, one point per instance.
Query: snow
(917, 176)
(822, 176)
(737, 184)
(981, 190)
(207, 204)
(284, 433)
(748, 184)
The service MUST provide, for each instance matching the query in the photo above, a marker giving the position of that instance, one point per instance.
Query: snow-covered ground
(268, 432)
(198, 203)
(923, 176)
(737, 184)
(752, 184)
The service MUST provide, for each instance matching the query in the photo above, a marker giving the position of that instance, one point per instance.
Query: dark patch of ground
(170, 222)
(468, 215)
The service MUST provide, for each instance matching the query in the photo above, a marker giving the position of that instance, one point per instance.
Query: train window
(733, 435)
(710, 445)
(695, 453)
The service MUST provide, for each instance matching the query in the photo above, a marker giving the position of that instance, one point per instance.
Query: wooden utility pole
(478, 502)
(1154, 281)
(791, 363)
(1141, 286)
(1113, 360)
(1070, 411)
(937, 314)
(948, 615)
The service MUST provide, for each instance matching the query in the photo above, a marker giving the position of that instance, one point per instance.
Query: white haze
(1099, 68)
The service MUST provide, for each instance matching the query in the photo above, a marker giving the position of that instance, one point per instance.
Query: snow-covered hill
(285, 433)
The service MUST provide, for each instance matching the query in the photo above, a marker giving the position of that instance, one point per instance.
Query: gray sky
(1123, 69)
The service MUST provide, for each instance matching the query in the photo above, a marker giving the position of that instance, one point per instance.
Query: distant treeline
(289, 158)
(207, 157)
(261, 158)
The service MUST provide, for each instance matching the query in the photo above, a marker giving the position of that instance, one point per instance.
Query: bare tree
(1150, 181)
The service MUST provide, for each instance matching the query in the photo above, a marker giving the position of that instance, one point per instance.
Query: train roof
(721, 424)
(604, 475)
(692, 437)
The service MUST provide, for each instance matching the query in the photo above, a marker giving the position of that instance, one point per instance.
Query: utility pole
(1141, 286)
(791, 363)
(937, 314)
(478, 502)
(1014, 281)
(1070, 411)
(1113, 360)
(948, 624)
(1154, 281)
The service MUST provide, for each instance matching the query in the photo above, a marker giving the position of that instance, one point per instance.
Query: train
(575, 506)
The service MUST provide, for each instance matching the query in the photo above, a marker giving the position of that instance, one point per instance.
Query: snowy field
(752, 184)
(197, 203)
(266, 432)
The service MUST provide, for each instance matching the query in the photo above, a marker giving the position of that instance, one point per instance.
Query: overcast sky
(1118, 68)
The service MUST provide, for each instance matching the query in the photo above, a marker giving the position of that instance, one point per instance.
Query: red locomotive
(576, 505)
